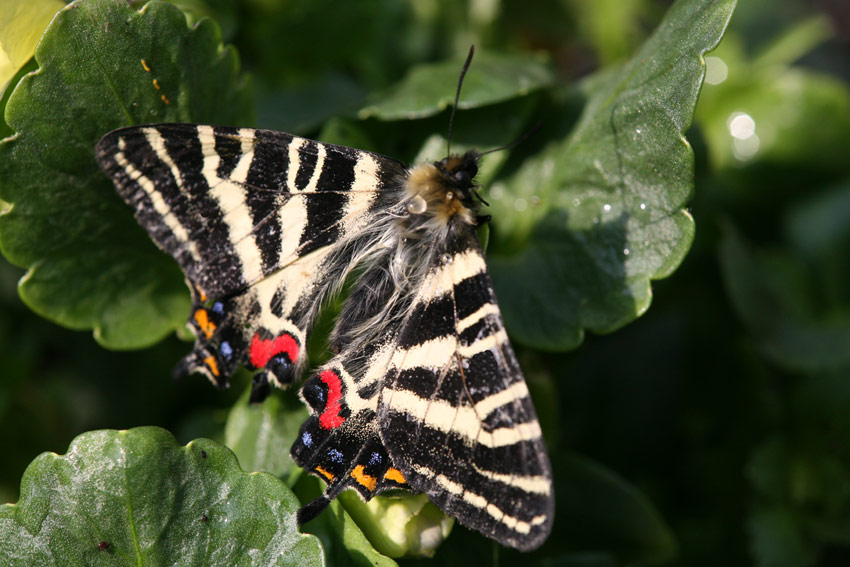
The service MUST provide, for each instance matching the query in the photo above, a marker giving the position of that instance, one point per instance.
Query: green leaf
(407, 526)
(774, 293)
(612, 27)
(799, 39)
(818, 226)
(90, 265)
(491, 78)
(21, 25)
(5, 131)
(801, 504)
(601, 511)
(344, 542)
(139, 498)
(262, 434)
(777, 539)
(787, 120)
(590, 221)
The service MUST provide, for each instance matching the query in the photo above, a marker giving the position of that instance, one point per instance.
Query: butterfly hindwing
(455, 413)
(439, 405)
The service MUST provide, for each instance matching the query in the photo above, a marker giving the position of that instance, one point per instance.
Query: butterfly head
(460, 170)
(445, 191)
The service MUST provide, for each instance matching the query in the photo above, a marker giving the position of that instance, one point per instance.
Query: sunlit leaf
(103, 65)
(590, 221)
(138, 498)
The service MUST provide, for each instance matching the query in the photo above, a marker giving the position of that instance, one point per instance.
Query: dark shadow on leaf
(563, 281)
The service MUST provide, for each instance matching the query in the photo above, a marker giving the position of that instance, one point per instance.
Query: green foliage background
(708, 428)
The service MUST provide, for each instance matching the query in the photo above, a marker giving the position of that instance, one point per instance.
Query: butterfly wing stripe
(463, 421)
(239, 174)
(228, 148)
(212, 158)
(308, 157)
(487, 343)
(435, 353)
(318, 167)
(232, 199)
(366, 174)
(514, 392)
(263, 204)
(538, 484)
(294, 160)
(480, 502)
(292, 216)
(157, 144)
(159, 204)
(470, 320)
(443, 278)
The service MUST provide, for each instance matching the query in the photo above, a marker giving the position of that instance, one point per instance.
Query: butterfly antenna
(516, 142)
(457, 97)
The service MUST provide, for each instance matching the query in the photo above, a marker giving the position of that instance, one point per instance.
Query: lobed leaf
(594, 218)
(492, 78)
(102, 65)
(137, 497)
(262, 434)
(21, 24)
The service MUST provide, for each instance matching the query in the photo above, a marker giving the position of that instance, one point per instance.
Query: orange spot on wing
(395, 476)
(212, 365)
(202, 318)
(364, 479)
(145, 66)
(156, 84)
(165, 99)
(324, 473)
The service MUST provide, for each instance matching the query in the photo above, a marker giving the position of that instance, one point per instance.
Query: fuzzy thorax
(443, 191)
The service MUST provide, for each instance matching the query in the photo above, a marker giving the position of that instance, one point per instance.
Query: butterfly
(423, 391)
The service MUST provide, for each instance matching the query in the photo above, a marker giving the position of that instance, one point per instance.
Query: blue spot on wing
(335, 456)
(307, 439)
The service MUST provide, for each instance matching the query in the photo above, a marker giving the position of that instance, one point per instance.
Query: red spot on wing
(262, 350)
(330, 418)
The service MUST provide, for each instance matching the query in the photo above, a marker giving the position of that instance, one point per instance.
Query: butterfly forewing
(455, 413)
(258, 220)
